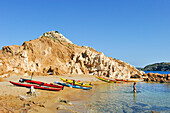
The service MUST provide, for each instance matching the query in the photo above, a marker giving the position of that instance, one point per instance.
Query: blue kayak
(72, 86)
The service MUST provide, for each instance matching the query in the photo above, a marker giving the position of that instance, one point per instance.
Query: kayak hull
(72, 86)
(127, 80)
(41, 83)
(76, 82)
(107, 80)
(35, 86)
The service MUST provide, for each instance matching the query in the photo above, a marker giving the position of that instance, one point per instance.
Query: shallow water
(119, 98)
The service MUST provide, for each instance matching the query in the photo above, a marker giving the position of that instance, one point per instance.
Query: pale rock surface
(52, 53)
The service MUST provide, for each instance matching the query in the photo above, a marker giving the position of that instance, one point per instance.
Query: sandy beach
(15, 99)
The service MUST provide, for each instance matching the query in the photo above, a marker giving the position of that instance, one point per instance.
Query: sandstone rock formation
(54, 54)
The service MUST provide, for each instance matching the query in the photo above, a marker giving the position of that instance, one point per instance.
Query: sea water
(160, 72)
(119, 98)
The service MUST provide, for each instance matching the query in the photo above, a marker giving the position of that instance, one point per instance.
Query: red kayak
(128, 80)
(35, 86)
(40, 83)
(120, 79)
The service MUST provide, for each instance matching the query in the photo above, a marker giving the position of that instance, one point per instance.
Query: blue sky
(135, 31)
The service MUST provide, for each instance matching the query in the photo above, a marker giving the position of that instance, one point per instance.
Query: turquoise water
(119, 98)
(160, 72)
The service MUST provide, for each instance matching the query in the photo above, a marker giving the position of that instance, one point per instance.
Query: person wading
(134, 87)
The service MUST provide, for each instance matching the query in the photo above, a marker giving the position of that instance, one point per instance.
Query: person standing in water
(134, 87)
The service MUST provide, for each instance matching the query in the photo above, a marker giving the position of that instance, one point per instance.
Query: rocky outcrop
(54, 54)
(155, 77)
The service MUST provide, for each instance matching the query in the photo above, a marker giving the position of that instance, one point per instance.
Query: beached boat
(127, 80)
(120, 79)
(107, 80)
(76, 82)
(35, 86)
(72, 86)
(40, 83)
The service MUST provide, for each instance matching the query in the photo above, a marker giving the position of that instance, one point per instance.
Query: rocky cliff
(54, 54)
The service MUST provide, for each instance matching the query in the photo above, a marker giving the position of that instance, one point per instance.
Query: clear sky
(135, 31)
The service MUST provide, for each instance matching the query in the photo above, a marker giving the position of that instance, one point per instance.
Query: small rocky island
(163, 66)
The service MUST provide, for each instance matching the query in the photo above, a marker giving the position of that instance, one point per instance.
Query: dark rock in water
(154, 111)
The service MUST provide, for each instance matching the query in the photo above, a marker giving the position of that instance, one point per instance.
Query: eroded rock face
(52, 53)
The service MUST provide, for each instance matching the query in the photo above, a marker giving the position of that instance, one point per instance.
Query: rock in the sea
(154, 111)
(168, 77)
(162, 78)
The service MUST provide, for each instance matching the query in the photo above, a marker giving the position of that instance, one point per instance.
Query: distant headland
(163, 66)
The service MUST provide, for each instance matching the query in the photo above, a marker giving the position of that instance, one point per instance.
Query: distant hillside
(163, 66)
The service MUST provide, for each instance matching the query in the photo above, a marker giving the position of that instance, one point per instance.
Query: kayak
(72, 86)
(120, 79)
(107, 80)
(35, 86)
(40, 83)
(127, 80)
(76, 82)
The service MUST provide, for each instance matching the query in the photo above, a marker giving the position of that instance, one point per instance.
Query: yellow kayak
(76, 82)
(107, 80)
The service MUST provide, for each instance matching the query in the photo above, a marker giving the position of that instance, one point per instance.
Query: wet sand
(14, 98)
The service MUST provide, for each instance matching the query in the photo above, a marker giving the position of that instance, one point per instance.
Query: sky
(134, 31)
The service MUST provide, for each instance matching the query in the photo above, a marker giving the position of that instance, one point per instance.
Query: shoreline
(48, 101)
(73, 100)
